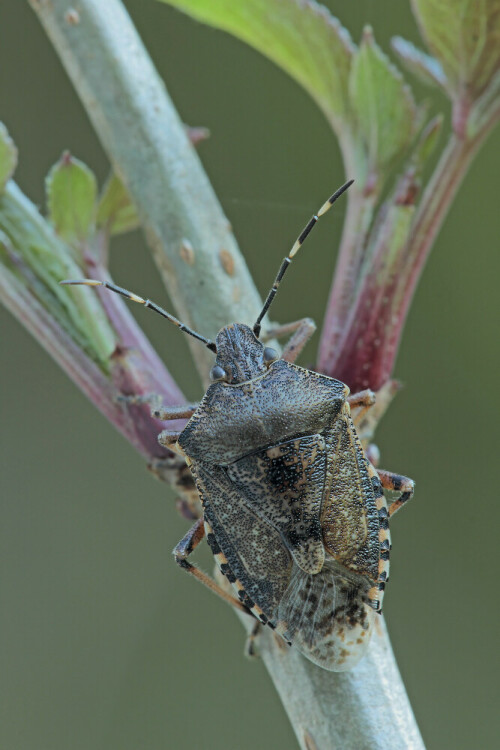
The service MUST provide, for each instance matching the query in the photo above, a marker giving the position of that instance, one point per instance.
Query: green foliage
(38, 259)
(116, 213)
(8, 156)
(374, 115)
(426, 143)
(485, 108)
(464, 35)
(382, 104)
(71, 190)
(424, 67)
(302, 37)
(361, 93)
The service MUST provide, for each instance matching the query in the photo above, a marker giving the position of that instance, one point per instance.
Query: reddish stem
(356, 225)
(365, 356)
(59, 344)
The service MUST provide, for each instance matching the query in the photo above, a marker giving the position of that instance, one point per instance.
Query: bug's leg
(361, 402)
(165, 413)
(398, 483)
(250, 644)
(169, 438)
(182, 551)
(159, 411)
(362, 398)
(302, 331)
(376, 593)
(373, 454)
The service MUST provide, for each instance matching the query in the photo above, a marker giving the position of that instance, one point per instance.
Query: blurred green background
(104, 642)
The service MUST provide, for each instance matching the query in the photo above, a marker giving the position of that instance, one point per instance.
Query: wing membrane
(327, 617)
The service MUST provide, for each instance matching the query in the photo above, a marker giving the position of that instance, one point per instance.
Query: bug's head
(240, 355)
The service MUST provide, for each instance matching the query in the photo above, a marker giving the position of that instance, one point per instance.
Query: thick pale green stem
(364, 709)
(126, 100)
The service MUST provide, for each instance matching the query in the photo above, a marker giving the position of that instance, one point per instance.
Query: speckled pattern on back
(299, 524)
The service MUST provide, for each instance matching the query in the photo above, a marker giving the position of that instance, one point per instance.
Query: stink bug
(293, 510)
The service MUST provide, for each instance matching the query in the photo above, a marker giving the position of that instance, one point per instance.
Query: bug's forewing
(254, 550)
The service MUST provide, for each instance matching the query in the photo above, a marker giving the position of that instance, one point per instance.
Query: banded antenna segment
(146, 302)
(296, 247)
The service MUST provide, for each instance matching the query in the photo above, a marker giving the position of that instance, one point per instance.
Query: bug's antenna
(298, 243)
(147, 303)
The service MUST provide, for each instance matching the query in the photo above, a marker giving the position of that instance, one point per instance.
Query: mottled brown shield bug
(293, 511)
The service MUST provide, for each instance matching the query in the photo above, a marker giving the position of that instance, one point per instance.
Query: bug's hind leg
(302, 331)
(398, 483)
(186, 546)
(251, 651)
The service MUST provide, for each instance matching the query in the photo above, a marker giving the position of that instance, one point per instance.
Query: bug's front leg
(186, 546)
(398, 483)
(164, 413)
(364, 398)
(169, 438)
(361, 402)
(302, 331)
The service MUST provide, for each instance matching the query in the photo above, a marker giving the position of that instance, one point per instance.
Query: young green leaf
(41, 260)
(486, 108)
(426, 143)
(383, 104)
(116, 213)
(300, 36)
(464, 35)
(71, 190)
(8, 156)
(424, 67)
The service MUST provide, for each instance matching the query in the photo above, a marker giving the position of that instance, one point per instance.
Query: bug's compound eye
(270, 355)
(217, 373)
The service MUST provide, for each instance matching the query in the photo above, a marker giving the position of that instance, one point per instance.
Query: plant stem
(431, 212)
(150, 151)
(145, 140)
(356, 225)
(365, 354)
(365, 708)
(85, 373)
